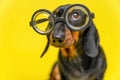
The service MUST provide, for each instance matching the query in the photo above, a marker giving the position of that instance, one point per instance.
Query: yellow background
(21, 46)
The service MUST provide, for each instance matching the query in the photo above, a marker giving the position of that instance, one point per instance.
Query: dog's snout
(58, 34)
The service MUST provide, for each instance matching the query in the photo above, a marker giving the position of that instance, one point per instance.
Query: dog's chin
(64, 45)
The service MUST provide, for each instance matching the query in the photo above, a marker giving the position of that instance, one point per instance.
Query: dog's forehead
(62, 7)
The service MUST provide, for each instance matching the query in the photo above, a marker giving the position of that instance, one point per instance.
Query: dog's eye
(76, 15)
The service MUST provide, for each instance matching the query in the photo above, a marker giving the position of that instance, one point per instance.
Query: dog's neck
(73, 61)
(70, 59)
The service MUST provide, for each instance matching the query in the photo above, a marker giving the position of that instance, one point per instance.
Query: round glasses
(77, 17)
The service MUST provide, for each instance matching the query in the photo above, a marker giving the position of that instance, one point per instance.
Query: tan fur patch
(64, 52)
(56, 74)
(71, 52)
(77, 34)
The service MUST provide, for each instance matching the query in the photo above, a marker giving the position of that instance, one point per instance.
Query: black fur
(83, 66)
(90, 62)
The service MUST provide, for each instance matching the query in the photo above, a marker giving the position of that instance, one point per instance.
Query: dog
(80, 57)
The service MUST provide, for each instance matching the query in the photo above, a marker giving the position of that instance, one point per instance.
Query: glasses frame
(33, 22)
(65, 16)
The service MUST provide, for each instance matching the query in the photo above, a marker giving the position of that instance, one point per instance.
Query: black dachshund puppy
(72, 30)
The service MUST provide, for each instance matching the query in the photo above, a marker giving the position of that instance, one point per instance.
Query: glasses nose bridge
(59, 19)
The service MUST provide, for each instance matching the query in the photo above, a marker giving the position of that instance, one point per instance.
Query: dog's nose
(58, 40)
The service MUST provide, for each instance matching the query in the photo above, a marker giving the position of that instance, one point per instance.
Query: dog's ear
(91, 41)
(48, 42)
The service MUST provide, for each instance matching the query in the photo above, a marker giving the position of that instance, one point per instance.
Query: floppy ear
(48, 43)
(91, 41)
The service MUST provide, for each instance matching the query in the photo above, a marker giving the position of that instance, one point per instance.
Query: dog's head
(66, 24)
